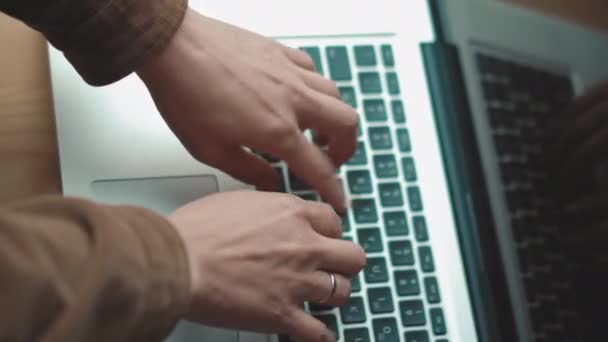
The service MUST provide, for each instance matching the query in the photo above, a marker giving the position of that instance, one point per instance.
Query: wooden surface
(28, 148)
(592, 13)
(29, 163)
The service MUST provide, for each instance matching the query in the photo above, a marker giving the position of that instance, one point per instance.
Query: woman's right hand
(256, 257)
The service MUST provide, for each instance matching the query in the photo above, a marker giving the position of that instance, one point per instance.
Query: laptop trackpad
(162, 194)
(190, 332)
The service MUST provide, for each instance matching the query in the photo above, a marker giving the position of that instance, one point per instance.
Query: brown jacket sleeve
(105, 40)
(72, 270)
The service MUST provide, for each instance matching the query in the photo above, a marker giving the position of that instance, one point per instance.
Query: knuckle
(282, 312)
(281, 129)
(341, 297)
(290, 201)
(316, 252)
(306, 59)
(297, 94)
(207, 155)
(333, 89)
(292, 205)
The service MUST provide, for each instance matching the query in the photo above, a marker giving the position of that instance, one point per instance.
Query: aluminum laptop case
(115, 148)
(525, 40)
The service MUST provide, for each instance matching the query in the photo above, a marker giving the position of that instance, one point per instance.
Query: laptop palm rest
(163, 195)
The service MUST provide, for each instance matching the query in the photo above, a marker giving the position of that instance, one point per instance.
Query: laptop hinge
(474, 220)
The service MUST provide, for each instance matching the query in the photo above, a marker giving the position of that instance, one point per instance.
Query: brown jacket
(72, 270)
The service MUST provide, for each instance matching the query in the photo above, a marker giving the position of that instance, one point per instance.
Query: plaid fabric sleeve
(73, 270)
(105, 40)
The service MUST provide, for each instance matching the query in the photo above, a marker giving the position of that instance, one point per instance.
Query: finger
(336, 121)
(320, 289)
(319, 83)
(306, 328)
(310, 164)
(323, 219)
(341, 256)
(244, 166)
(300, 58)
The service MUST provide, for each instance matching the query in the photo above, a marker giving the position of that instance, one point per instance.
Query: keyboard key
(402, 252)
(385, 330)
(403, 139)
(385, 166)
(345, 224)
(308, 196)
(407, 283)
(364, 210)
(432, 290)
(412, 313)
(356, 335)
(359, 157)
(284, 338)
(365, 55)
(395, 223)
(279, 171)
(353, 311)
(426, 259)
(348, 95)
(417, 336)
(315, 54)
(392, 83)
(297, 184)
(355, 284)
(390, 194)
(331, 322)
(267, 157)
(375, 110)
(314, 307)
(380, 138)
(398, 111)
(375, 270)
(413, 195)
(369, 83)
(420, 229)
(359, 182)
(370, 239)
(339, 65)
(438, 321)
(409, 169)
(387, 55)
(380, 300)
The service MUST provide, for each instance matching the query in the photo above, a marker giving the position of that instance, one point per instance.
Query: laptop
(433, 203)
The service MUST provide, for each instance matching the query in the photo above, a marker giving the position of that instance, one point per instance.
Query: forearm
(71, 270)
(105, 40)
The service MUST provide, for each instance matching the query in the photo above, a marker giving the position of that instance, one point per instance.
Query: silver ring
(334, 285)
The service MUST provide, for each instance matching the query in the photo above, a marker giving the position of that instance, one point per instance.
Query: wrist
(162, 62)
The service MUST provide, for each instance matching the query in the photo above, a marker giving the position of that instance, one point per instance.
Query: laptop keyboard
(523, 104)
(397, 296)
